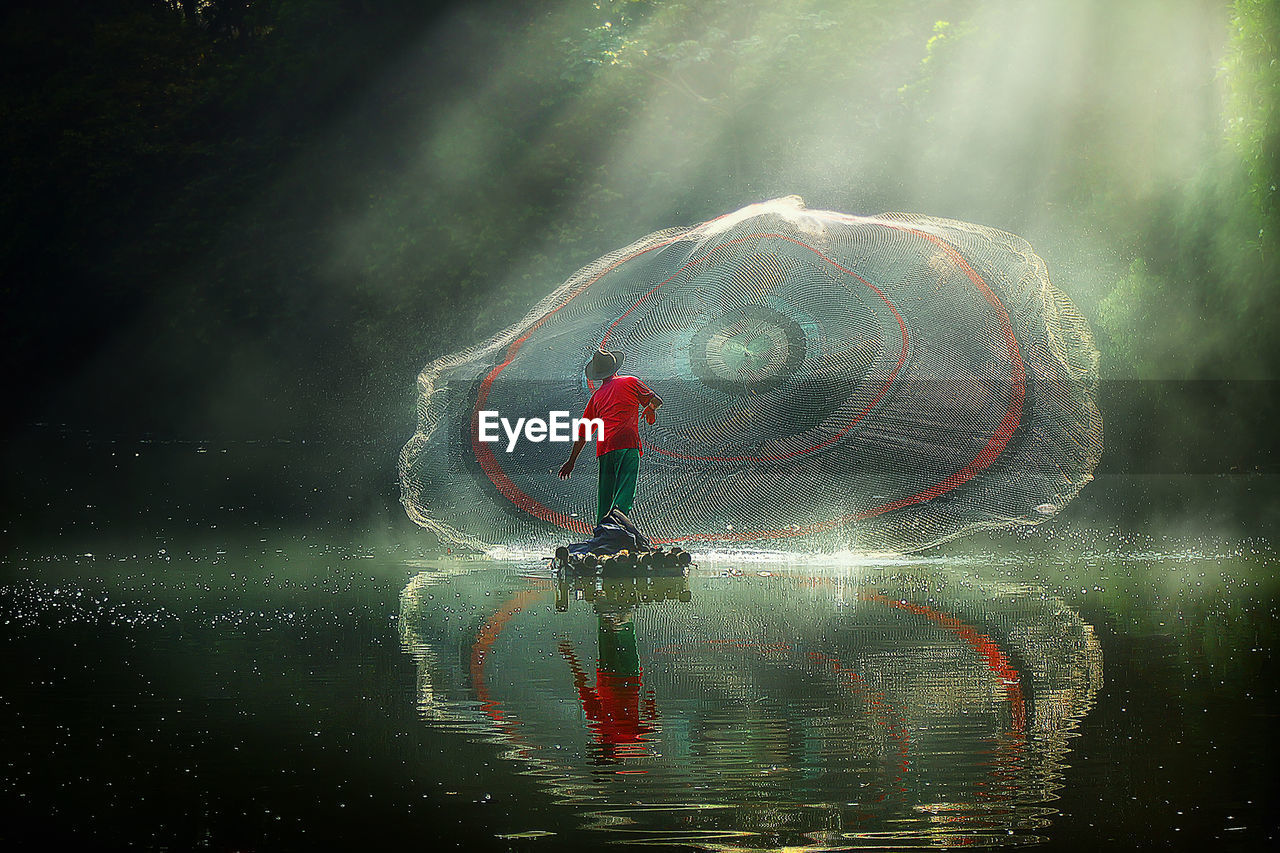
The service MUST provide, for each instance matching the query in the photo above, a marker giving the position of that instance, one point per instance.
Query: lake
(209, 682)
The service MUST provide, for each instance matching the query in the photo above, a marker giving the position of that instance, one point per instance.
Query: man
(617, 402)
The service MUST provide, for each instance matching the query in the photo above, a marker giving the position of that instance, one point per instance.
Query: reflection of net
(911, 707)
(886, 382)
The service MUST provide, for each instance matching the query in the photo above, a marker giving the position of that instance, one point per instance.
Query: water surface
(285, 691)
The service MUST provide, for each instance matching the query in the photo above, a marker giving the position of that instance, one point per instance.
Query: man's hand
(567, 468)
(651, 407)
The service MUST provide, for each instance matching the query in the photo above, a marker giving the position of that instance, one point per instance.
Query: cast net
(830, 382)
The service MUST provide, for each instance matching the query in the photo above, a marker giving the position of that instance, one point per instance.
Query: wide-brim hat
(603, 364)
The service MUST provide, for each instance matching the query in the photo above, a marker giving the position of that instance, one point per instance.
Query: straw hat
(603, 364)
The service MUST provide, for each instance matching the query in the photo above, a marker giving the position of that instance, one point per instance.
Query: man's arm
(567, 468)
(650, 401)
(588, 413)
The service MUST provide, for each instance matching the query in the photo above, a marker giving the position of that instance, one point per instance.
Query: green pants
(618, 472)
(618, 655)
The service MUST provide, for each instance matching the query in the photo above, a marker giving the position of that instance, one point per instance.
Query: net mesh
(830, 381)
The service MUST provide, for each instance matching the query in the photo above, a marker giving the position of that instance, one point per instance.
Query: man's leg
(607, 486)
(619, 470)
(628, 471)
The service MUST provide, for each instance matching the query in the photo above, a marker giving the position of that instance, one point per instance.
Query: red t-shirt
(617, 402)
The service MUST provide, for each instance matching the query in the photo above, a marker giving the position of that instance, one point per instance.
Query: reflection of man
(617, 402)
(613, 707)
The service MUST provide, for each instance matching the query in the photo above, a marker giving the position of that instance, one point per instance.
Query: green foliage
(726, 54)
(1147, 325)
(938, 50)
(1252, 67)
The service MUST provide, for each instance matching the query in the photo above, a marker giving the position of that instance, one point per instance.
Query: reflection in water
(760, 710)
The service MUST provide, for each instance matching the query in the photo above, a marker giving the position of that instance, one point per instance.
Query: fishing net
(830, 381)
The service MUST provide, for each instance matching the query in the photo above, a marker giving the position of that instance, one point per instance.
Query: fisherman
(618, 403)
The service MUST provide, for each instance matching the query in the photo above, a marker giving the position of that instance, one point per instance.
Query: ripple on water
(900, 704)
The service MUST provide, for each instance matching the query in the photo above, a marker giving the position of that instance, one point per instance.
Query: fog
(374, 191)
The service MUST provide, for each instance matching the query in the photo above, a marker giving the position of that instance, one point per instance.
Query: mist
(334, 194)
